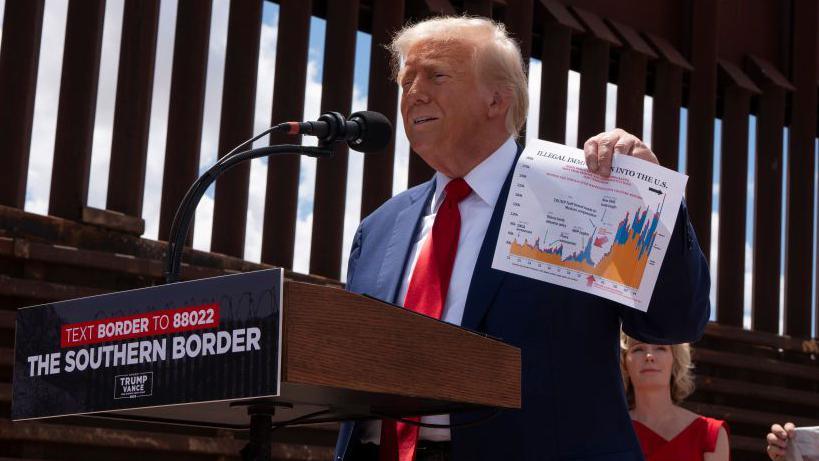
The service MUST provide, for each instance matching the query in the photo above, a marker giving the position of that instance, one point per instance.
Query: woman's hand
(778, 440)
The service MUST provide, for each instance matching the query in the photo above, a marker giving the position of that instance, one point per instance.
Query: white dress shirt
(486, 181)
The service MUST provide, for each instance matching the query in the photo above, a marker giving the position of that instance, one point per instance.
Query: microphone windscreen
(376, 131)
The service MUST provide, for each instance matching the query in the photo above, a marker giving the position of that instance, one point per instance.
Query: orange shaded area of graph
(624, 263)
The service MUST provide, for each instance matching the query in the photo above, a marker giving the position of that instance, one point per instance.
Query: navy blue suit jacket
(573, 403)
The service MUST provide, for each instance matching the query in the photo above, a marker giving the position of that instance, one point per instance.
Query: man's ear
(499, 104)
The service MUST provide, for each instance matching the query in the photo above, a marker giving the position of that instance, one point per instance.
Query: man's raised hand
(600, 150)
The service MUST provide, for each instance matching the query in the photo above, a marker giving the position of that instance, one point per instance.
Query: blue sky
(48, 92)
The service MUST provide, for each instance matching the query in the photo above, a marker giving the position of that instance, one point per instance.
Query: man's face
(443, 104)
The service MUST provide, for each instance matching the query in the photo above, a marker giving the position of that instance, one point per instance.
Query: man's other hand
(778, 440)
(600, 149)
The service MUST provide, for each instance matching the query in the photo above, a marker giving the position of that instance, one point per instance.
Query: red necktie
(426, 294)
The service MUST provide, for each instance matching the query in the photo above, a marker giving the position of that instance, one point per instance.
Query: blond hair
(496, 56)
(682, 378)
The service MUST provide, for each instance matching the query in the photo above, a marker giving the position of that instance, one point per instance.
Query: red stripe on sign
(140, 325)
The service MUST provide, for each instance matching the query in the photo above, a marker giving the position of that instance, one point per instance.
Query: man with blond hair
(464, 100)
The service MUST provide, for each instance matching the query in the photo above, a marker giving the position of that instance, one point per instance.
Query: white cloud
(209, 143)
(713, 266)
(211, 118)
(106, 97)
(258, 167)
(307, 174)
(255, 210)
(533, 115)
(46, 110)
(307, 179)
(683, 140)
(2, 11)
(301, 250)
(611, 107)
(400, 176)
(355, 174)
(159, 119)
(781, 303)
(572, 102)
(648, 109)
(266, 75)
(48, 92)
(749, 285)
(572, 111)
(44, 125)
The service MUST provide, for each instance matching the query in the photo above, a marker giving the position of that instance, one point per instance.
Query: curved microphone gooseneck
(364, 131)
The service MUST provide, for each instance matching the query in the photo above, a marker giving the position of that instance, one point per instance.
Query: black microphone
(364, 131)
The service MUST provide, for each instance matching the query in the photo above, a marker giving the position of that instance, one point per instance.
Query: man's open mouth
(422, 120)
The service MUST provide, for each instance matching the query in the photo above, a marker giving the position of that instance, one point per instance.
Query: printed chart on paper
(605, 236)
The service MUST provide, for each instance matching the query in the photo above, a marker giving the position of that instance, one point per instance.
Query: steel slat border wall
(77, 108)
(282, 196)
(382, 96)
(768, 195)
(558, 27)
(801, 165)
(700, 38)
(702, 97)
(594, 75)
(733, 194)
(665, 116)
(518, 21)
(19, 60)
(331, 175)
(631, 79)
(236, 124)
(478, 7)
(186, 107)
(132, 109)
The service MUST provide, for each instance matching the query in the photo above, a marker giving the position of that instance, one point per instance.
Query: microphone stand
(261, 411)
(259, 444)
(184, 213)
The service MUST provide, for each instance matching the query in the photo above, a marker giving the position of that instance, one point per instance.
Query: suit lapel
(392, 267)
(398, 248)
(485, 280)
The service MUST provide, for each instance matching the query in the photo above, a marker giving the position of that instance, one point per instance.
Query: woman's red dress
(690, 444)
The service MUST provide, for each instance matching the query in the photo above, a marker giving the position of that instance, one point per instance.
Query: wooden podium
(346, 356)
(249, 344)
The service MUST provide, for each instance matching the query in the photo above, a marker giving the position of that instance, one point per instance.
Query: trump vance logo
(133, 385)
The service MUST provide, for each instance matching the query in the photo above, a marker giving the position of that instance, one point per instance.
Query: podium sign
(190, 342)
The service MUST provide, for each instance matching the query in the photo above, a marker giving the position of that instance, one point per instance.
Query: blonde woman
(657, 378)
